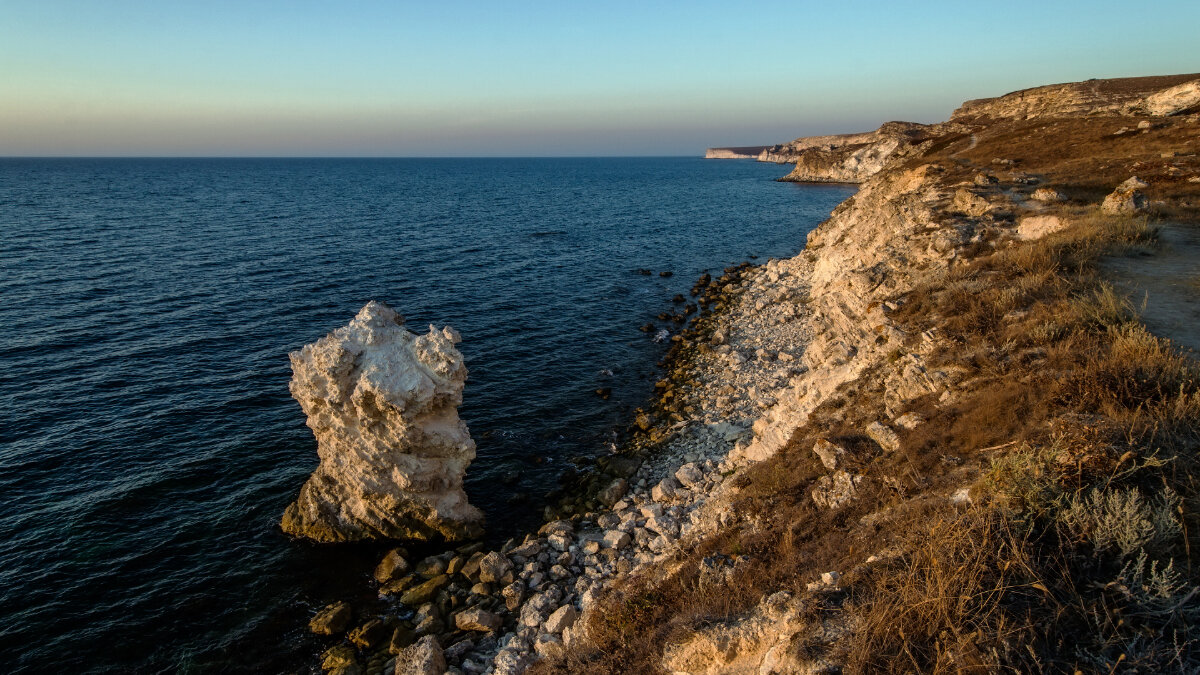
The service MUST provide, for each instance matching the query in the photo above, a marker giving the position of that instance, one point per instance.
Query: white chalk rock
(383, 405)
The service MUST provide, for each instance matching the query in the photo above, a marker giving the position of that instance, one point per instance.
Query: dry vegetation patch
(1076, 430)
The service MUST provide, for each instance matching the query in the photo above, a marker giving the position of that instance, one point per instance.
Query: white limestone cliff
(383, 405)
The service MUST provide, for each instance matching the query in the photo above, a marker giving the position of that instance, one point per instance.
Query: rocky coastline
(824, 343)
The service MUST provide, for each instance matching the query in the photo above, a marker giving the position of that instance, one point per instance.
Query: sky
(556, 78)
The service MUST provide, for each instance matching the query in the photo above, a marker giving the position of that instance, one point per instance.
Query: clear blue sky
(437, 78)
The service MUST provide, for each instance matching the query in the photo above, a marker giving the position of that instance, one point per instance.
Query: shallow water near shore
(148, 444)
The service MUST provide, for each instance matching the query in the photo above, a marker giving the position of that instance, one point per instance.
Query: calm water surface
(148, 444)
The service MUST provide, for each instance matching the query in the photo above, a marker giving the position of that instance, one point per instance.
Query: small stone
(831, 492)
(548, 646)
(513, 594)
(431, 567)
(392, 567)
(664, 525)
(909, 421)
(470, 569)
(331, 620)
(423, 593)
(651, 510)
(828, 453)
(665, 489)
(368, 635)
(425, 657)
(616, 539)
(614, 492)
(1047, 195)
(608, 521)
(401, 638)
(559, 542)
(556, 527)
(478, 619)
(885, 437)
(510, 662)
(339, 656)
(494, 568)
(689, 475)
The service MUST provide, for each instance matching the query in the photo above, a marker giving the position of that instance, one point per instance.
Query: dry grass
(1077, 555)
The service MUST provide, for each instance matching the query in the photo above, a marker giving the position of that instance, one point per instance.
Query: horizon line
(698, 155)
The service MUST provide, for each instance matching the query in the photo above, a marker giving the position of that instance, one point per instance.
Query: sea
(148, 443)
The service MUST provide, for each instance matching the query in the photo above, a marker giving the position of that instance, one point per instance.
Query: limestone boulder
(1126, 199)
(331, 620)
(424, 657)
(383, 405)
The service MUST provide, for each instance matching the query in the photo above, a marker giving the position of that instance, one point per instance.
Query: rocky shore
(815, 369)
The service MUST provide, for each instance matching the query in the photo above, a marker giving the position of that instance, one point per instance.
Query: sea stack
(383, 404)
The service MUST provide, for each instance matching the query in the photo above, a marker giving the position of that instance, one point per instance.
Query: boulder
(338, 657)
(1047, 195)
(689, 475)
(392, 567)
(331, 620)
(829, 454)
(560, 619)
(665, 489)
(424, 657)
(614, 492)
(383, 405)
(478, 619)
(1036, 227)
(495, 568)
(423, 593)
(885, 437)
(833, 492)
(1126, 199)
(431, 567)
(616, 539)
(368, 635)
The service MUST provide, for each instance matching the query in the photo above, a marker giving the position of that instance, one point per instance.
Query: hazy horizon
(275, 79)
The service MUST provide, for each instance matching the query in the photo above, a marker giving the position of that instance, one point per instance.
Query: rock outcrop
(846, 158)
(745, 152)
(1074, 99)
(383, 405)
(1175, 100)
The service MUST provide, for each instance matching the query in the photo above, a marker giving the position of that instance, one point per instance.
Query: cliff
(1090, 98)
(853, 158)
(911, 382)
(383, 405)
(938, 439)
(745, 152)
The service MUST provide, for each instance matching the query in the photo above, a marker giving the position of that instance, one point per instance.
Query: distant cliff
(744, 152)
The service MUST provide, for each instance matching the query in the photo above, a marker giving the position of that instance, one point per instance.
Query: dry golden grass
(1098, 428)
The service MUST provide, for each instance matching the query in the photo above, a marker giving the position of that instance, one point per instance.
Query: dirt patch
(1164, 284)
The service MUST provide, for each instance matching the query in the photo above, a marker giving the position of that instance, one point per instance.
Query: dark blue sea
(148, 444)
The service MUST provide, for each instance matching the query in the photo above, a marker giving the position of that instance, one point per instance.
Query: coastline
(791, 433)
